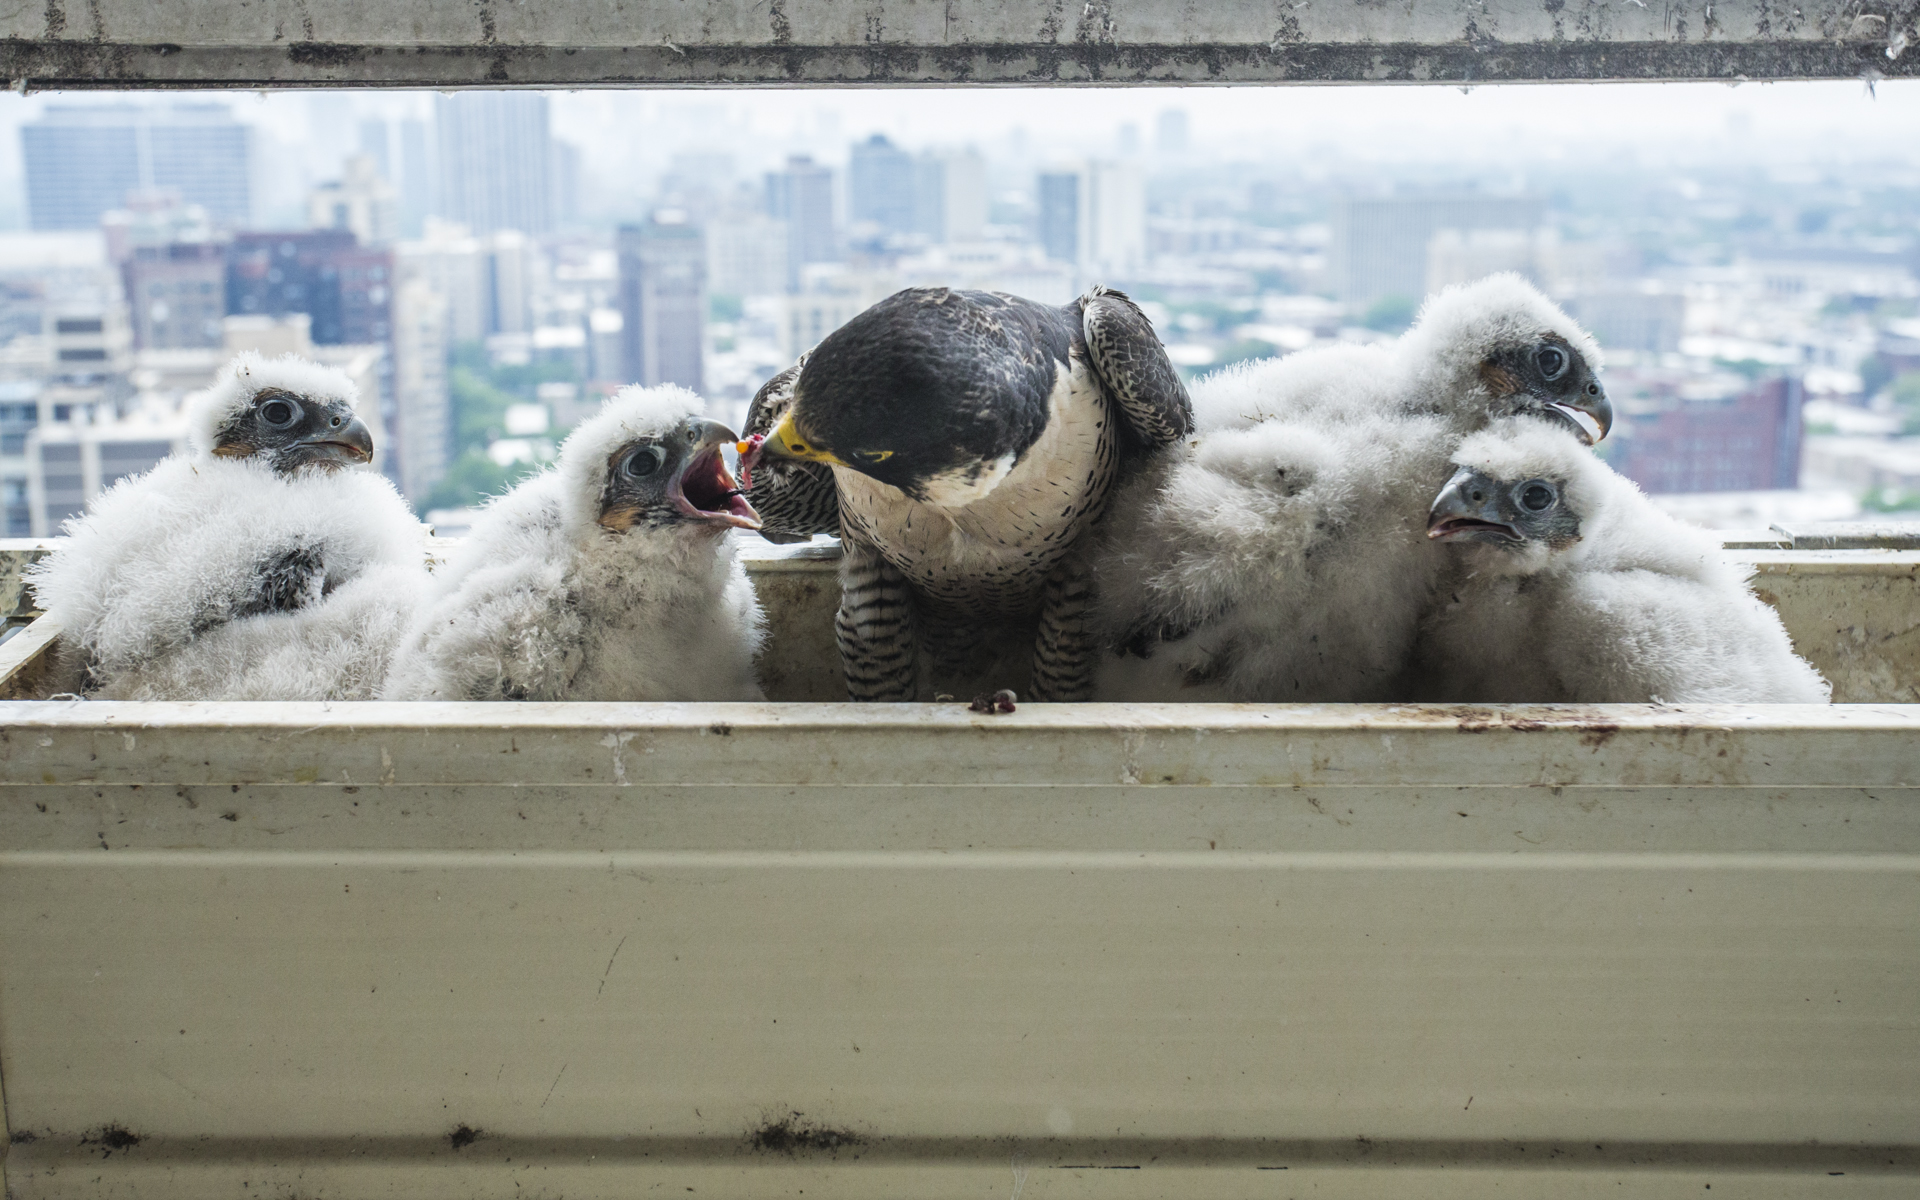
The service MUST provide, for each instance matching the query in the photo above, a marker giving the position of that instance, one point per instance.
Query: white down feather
(542, 603)
(147, 583)
(1292, 556)
(1284, 547)
(1643, 608)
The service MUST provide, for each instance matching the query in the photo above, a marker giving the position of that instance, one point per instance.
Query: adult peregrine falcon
(962, 442)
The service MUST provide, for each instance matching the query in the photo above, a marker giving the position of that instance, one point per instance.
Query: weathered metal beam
(672, 43)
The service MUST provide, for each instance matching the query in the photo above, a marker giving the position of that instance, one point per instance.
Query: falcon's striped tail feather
(1063, 648)
(874, 627)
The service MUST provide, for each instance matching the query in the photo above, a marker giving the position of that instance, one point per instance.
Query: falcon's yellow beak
(786, 441)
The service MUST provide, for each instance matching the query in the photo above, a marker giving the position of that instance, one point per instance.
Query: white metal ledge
(494, 950)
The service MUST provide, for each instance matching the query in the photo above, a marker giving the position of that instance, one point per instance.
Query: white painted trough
(463, 950)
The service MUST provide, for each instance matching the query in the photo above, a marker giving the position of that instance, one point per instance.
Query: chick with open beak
(1548, 377)
(605, 578)
(675, 477)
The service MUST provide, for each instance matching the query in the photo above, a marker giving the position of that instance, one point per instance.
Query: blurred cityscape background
(490, 265)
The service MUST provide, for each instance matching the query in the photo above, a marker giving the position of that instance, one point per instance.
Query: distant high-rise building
(90, 345)
(881, 179)
(422, 416)
(565, 188)
(177, 294)
(344, 287)
(1170, 131)
(509, 269)
(663, 300)
(69, 463)
(1116, 219)
(606, 354)
(747, 256)
(19, 414)
(82, 162)
(950, 196)
(801, 194)
(1379, 246)
(416, 177)
(496, 161)
(376, 142)
(1060, 214)
(173, 272)
(1740, 443)
(1095, 216)
(488, 282)
(360, 200)
(42, 271)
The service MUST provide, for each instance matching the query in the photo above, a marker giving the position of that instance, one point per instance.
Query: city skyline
(715, 236)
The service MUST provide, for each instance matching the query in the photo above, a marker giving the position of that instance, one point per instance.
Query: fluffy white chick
(260, 565)
(1280, 554)
(1570, 586)
(608, 577)
(1477, 351)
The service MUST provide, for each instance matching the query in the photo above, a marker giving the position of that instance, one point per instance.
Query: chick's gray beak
(348, 441)
(1469, 509)
(1589, 412)
(713, 433)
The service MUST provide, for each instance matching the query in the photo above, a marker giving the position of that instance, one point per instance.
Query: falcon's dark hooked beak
(1590, 413)
(1469, 510)
(702, 488)
(344, 442)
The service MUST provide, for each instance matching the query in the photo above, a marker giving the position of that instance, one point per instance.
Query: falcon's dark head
(1500, 346)
(648, 460)
(931, 391)
(1520, 488)
(288, 413)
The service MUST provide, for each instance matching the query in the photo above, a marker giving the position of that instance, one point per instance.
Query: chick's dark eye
(1552, 361)
(1537, 495)
(643, 461)
(279, 414)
